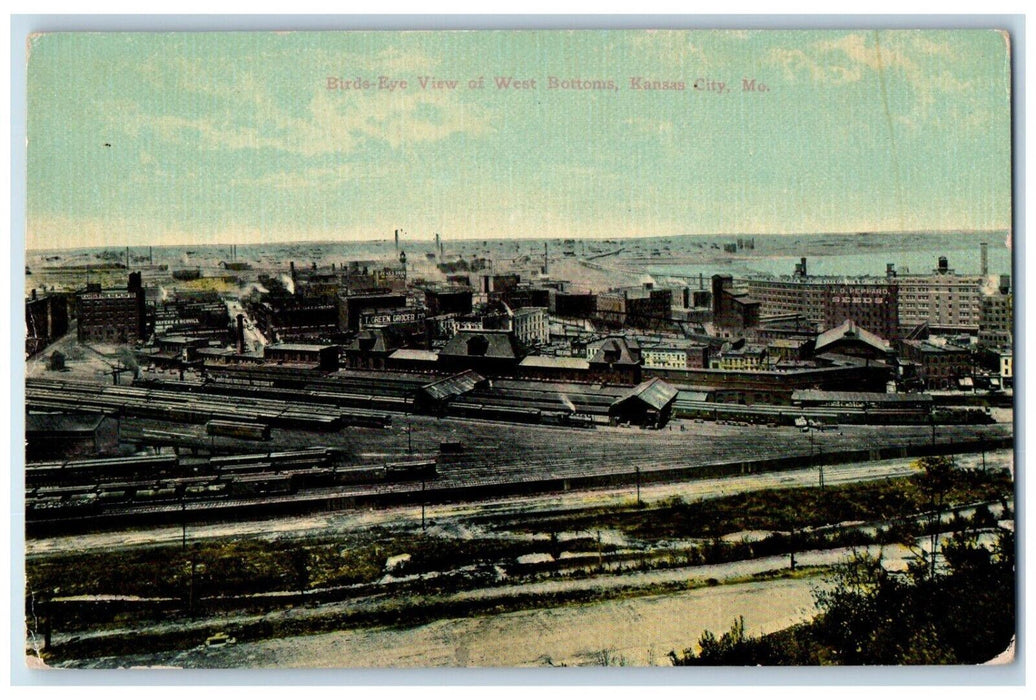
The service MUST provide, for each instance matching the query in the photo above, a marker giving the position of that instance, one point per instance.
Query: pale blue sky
(224, 137)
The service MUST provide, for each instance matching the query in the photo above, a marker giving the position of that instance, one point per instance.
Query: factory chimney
(292, 265)
(397, 241)
(150, 255)
(984, 252)
(240, 334)
(546, 266)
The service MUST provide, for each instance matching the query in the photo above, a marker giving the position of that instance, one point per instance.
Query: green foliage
(793, 646)
(786, 509)
(965, 615)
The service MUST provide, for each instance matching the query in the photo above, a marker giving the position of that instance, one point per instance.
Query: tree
(936, 481)
(963, 614)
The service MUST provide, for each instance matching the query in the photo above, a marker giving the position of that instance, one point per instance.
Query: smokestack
(984, 251)
(150, 255)
(292, 264)
(34, 295)
(240, 334)
(546, 267)
(397, 241)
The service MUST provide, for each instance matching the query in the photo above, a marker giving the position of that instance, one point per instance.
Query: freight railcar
(236, 429)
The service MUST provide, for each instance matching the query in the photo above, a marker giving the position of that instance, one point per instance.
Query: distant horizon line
(529, 238)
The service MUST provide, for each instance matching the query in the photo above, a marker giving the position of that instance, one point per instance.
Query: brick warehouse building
(112, 315)
(872, 303)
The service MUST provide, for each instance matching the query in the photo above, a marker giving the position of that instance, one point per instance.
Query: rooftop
(654, 392)
(548, 362)
(484, 343)
(298, 347)
(412, 354)
(858, 396)
(450, 387)
(848, 330)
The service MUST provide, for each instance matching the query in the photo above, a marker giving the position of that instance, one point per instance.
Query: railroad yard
(360, 456)
(231, 497)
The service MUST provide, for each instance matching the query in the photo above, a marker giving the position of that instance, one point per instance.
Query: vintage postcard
(519, 348)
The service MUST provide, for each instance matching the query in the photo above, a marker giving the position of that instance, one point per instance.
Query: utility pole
(638, 487)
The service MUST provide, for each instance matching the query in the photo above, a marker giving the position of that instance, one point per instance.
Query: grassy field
(411, 573)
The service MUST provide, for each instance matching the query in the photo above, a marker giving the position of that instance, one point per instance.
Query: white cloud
(671, 47)
(918, 59)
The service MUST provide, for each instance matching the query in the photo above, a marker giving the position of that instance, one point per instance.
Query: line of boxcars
(317, 393)
(196, 406)
(517, 414)
(133, 482)
(512, 406)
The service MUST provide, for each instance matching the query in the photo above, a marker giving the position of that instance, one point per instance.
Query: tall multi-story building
(447, 301)
(673, 353)
(941, 366)
(647, 307)
(946, 301)
(889, 306)
(530, 326)
(46, 319)
(733, 310)
(870, 302)
(111, 315)
(996, 316)
(350, 307)
(873, 306)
